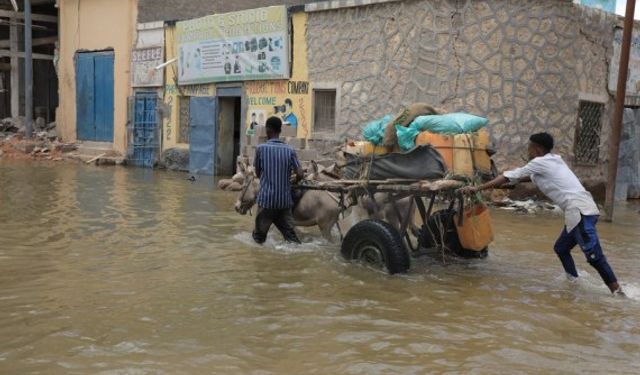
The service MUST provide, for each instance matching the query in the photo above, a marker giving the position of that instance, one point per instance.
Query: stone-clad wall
(522, 63)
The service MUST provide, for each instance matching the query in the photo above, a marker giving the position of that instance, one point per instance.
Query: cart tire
(451, 239)
(377, 243)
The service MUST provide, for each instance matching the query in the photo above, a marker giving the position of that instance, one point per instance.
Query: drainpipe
(616, 126)
(28, 70)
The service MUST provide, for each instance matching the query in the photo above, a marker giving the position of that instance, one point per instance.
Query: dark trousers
(586, 236)
(283, 220)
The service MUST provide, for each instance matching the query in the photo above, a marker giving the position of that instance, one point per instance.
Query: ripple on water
(124, 271)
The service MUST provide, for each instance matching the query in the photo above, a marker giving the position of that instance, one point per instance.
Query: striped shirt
(275, 160)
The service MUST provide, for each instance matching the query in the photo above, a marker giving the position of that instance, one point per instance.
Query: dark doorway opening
(229, 134)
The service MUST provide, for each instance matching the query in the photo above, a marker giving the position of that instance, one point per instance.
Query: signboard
(143, 63)
(606, 5)
(633, 76)
(247, 45)
(289, 100)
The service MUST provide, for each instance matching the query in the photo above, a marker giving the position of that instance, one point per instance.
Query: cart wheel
(441, 219)
(377, 244)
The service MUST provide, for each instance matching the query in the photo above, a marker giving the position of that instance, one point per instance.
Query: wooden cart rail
(388, 186)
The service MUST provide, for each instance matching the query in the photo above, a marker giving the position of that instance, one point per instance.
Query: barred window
(324, 104)
(183, 119)
(587, 137)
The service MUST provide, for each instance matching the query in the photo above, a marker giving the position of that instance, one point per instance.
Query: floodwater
(131, 271)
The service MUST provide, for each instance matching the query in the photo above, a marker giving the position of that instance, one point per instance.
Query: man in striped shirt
(274, 162)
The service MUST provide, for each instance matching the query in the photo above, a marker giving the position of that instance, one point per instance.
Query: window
(183, 119)
(324, 106)
(587, 139)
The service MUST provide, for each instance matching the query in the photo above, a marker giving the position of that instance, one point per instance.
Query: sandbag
(406, 137)
(374, 130)
(404, 118)
(450, 123)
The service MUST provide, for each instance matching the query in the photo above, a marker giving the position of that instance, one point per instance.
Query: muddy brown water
(131, 271)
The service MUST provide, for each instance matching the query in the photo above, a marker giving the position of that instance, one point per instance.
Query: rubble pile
(44, 145)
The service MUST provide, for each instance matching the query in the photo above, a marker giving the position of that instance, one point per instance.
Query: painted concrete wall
(172, 95)
(525, 65)
(94, 25)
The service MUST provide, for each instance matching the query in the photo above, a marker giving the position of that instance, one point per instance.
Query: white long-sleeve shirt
(554, 178)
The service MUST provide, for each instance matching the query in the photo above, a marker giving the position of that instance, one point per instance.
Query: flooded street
(133, 271)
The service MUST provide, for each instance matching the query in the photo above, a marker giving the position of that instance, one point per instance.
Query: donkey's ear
(314, 167)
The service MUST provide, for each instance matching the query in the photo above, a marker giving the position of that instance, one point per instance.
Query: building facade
(527, 66)
(94, 70)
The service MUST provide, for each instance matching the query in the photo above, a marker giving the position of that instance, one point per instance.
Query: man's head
(288, 104)
(274, 127)
(540, 144)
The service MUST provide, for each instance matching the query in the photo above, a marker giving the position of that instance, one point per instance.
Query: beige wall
(93, 25)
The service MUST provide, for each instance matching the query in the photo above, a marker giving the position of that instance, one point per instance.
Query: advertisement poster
(143, 63)
(633, 76)
(289, 100)
(606, 5)
(247, 45)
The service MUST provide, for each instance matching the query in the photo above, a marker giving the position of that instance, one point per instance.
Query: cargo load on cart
(425, 154)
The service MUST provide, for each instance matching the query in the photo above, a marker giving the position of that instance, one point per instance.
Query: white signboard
(247, 45)
(143, 63)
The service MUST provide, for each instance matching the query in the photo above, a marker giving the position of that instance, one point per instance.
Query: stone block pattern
(520, 63)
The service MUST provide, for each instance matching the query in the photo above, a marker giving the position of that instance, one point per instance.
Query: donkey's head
(249, 192)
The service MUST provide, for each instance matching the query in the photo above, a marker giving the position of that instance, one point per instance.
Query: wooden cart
(382, 245)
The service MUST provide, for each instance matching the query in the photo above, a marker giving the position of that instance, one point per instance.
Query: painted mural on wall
(246, 45)
(633, 76)
(289, 100)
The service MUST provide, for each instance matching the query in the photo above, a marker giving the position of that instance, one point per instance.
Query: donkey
(315, 207)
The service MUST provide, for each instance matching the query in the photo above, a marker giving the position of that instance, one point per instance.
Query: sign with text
(633, 76)
(289, 100)
(143, 63)
(247, 45)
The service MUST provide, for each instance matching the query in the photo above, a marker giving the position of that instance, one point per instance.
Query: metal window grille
(144, 130)
(183, 119)
(587, 138)
(324, 119)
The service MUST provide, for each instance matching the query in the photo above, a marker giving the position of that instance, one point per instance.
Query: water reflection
(114, 270)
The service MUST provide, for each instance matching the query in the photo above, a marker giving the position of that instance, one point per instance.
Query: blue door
(94, 96)
(202, 135)
(145, 130)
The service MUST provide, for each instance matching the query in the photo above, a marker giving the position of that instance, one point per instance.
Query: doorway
(229, 129)
(94, 96)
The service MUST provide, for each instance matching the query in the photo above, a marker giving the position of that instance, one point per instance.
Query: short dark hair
(288, 101)
(274, 123)
(543, 139)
